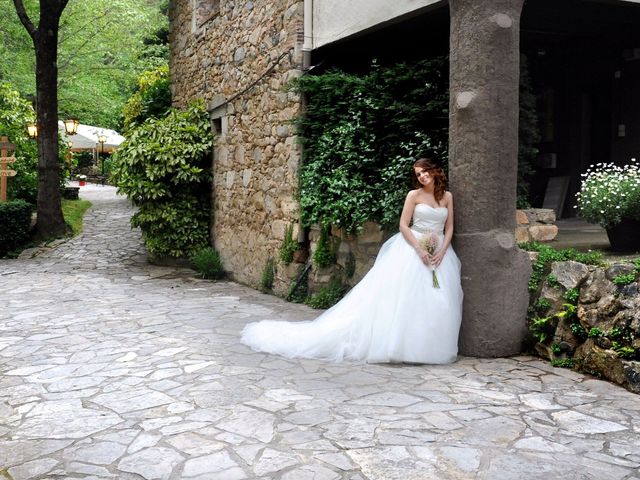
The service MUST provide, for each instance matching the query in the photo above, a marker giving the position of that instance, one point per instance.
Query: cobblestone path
(111, 368)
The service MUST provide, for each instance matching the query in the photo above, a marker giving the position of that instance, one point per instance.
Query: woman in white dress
(397, 312)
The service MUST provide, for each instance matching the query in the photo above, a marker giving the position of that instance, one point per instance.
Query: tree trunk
(483, 162)
(50, 220)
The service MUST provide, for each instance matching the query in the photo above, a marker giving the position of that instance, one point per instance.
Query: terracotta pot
(625, 236)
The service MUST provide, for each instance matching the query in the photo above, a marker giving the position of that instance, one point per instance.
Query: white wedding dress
(394, 314)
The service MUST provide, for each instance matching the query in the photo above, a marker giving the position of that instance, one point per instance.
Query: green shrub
(152, 98)
(563, 363)
(207, 263)
(324, 254)
(164, 168)
(595, 332)
(327, 296)
(288, 246)
(268, 275)
(15, 224)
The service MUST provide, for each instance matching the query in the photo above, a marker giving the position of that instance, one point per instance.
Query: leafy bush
(207, 262)
(327, 296)
(151, 100)
(164, 168)
(622, 279)
(15, 223)
(361, 135)
(15, 113)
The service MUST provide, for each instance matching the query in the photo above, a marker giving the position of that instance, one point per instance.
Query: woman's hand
(437, 257)
(424, 256)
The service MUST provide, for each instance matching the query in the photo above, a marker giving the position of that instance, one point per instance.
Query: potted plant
(610, 196)
(82, 180)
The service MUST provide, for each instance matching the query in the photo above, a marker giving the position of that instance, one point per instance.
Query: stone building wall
(220, 48)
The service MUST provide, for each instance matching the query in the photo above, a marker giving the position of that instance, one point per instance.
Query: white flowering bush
(610, 193)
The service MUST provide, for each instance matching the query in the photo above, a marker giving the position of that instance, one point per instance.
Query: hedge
(15, 224)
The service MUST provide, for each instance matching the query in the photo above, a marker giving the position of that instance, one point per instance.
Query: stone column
(483, 150)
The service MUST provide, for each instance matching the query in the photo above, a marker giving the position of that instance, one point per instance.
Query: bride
(407, 308)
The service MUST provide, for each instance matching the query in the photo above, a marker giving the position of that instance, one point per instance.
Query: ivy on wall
(362, 133)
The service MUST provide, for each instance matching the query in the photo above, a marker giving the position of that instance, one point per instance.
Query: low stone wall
(535, 224)
(588, 318)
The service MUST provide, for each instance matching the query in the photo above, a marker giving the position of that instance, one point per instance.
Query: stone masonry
(240, 57)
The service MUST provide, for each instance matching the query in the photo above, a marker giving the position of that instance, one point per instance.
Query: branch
(24, 18)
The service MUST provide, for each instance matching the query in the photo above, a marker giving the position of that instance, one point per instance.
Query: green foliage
(361, 135)
(324, 254)
(614, 333)
(540, 327)
(547, 255)
(552, 281)
(164, 168)
(15, 223)
(288, 246)
(327, 296)
(572, 295)
(610, 193)
(555, 348)
(563, 363)
(622, 279)
(624, 351)
(268, 275)
(151, 100)
(299, 288)
(103, 46)
(595, 332)
(206, 261)
(578, 331)
(542, 305)
(15, 113)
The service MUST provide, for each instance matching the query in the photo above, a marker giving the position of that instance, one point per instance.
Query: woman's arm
(448, 231)
(405, 221)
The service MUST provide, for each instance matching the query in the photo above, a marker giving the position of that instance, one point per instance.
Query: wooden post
(5, 159)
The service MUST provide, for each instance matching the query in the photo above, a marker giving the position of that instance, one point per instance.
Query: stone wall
(239, 57)
(536, 224)
(588, 318)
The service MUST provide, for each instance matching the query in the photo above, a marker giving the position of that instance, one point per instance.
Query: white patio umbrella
(87, 138)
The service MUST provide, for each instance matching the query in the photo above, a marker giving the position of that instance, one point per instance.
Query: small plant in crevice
(268, 275)
(350, 266)
(572, 295)
(207, 263)
(595, 332)
(324, 254)
(563, 362)
(542, 305)
(327, 296)
(578, 331)
(556, 349)
(299, 288)
(622, 279)
(288, 246)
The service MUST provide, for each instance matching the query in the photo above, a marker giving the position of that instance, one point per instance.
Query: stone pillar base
(496, 294)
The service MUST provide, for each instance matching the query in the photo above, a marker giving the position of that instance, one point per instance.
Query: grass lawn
(73, 211)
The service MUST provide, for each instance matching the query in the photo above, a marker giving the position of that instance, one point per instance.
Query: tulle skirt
(394, 314)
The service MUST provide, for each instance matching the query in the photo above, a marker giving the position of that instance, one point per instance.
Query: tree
(103, 46)
(45, 41)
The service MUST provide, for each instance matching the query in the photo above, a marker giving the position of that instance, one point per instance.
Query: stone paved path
(114, 369)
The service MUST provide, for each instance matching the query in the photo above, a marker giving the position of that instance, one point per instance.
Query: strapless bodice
(426, 217)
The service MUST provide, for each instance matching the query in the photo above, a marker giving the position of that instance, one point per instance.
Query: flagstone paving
(111, 368)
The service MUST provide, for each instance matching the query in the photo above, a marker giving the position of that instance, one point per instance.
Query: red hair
(439, 180)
